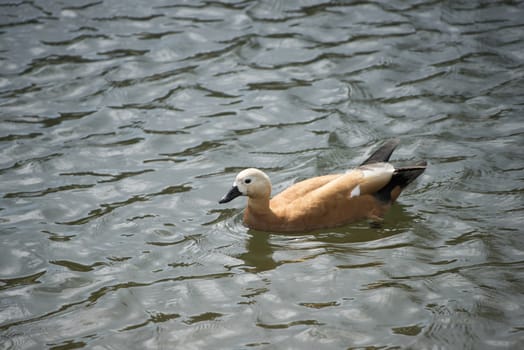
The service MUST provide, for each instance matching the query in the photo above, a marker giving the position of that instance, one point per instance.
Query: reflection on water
(259, 254)
(121, 125)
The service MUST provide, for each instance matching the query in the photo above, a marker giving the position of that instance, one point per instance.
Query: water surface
(122, 123)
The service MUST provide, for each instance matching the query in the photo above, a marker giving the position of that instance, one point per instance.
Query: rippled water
(123, 123)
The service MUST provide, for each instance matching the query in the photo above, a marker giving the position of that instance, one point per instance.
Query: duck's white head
(251, 182)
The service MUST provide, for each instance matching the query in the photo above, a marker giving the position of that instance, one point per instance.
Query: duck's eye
(247, 181)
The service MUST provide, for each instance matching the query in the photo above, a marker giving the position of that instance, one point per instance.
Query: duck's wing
(372, 175)
(366, 179)
(346, 198)
(381, 180)
(301, 189)
(356, 183)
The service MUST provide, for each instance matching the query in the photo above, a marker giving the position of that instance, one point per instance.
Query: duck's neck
(258, 214)
(258, 206)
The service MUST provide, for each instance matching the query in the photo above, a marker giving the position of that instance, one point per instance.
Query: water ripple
(107, 208)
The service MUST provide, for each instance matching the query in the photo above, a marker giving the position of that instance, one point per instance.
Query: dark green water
(123, 122)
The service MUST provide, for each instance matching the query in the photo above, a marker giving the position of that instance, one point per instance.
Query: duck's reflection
(259, 254)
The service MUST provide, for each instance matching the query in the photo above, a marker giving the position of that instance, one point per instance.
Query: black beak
(232, 194)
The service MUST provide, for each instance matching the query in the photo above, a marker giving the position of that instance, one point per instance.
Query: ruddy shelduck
(322, 202)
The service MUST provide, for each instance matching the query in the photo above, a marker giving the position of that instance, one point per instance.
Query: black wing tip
(383, 153)
(401, 178)
(406, 175)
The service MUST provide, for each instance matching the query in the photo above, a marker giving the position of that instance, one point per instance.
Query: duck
(327, 201)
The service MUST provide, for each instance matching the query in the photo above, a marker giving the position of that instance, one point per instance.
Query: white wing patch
(377, 169)
(355, 192)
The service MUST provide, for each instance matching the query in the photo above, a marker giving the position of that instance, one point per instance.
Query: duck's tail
(401, 178)
(383, 153)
